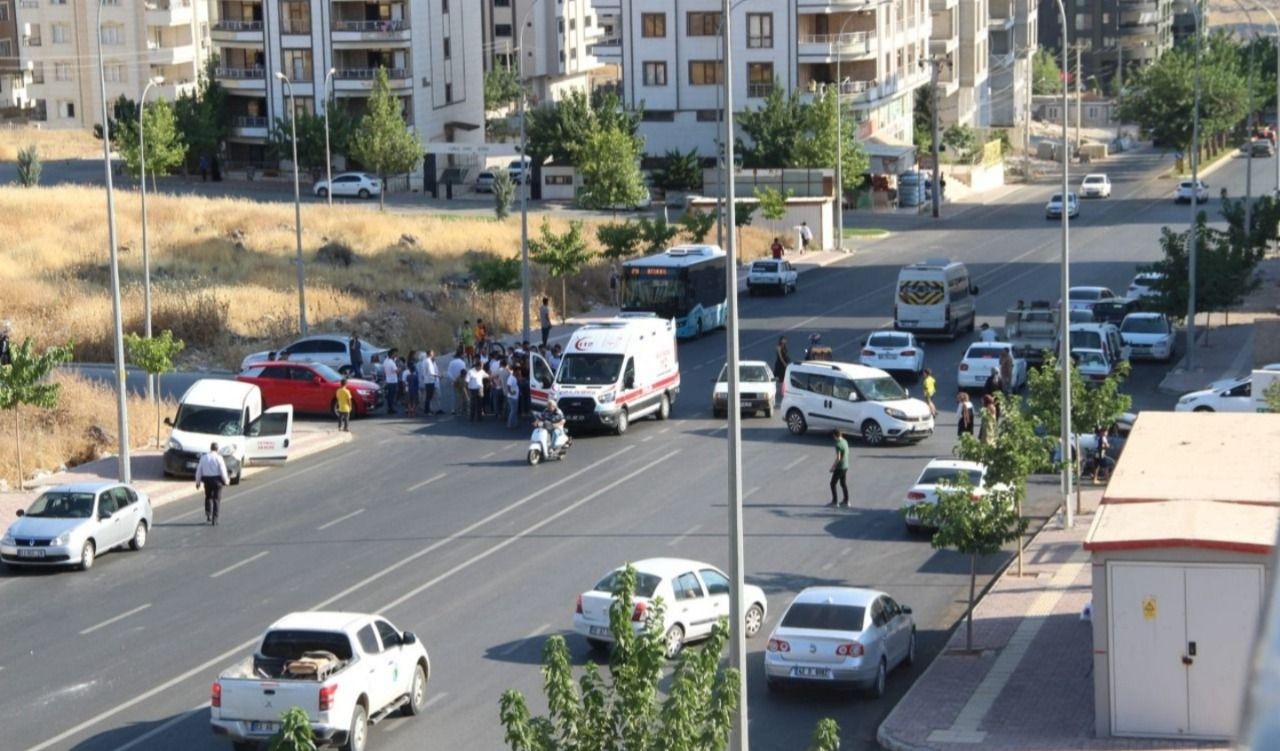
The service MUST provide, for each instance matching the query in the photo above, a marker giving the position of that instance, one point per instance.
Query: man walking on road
(511, 388)
(458, 378)
(212, 473)
(840, 469)
(391, 380)
(544, 318)
(343, 397)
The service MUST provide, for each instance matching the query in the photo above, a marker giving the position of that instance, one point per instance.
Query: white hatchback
(756, 388)
(982, 358)
(1148, 335)
(893, 351)
(1188, 190)
(1144, 285)
(1095, 186)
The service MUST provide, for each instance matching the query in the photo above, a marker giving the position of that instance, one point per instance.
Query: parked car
(1096, 185)
(645, 201)
(840, 636)
(1227, 395)
(944, 473)
(1187, 191)
(1053, 209)
(71, 525)
(983, 357)
(1103, 336)
(1113, 311)
(1094, 365)
(1259, 147)
(1149, 335)
(518, 168)
(861, 400)
(893, 352)
(1143, 285)
(696, 596)
(326, 349)
(770, 273)
(310, 387)
(350, 184)
(484, 181)
(756, 387)
(1084, 298)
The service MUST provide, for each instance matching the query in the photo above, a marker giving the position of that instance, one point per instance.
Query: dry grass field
(50, 144)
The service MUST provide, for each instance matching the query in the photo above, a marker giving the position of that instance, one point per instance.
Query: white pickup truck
(347, 671)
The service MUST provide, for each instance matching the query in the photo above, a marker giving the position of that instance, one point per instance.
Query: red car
(309, 387)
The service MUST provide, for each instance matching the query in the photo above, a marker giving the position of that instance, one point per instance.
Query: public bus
(686, 283)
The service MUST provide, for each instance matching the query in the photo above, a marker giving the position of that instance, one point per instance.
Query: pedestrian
(553, 359)
(806, 236)
(457, 373)
(1101, 460)
(429, 375)
(482, 335)
(986, 333)
(994, 382)
(544, 317)
(776, 249)
(467, 338)
(988, 421)
(357, 356)
(204, 168)
(412, 390)
(840, 469)
(342, 397)
(1006, 370)
(781, 359)
(6, 353)
(475, 391)
(613, 285)
(930, 388)
(390, 381)
(511, 389)
(493, 386)
(942, 186)
(211, 472)
(964, 414)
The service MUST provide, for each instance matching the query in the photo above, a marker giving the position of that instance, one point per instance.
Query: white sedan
(1187, 190)
(1144, 284)
(893, 351)
(983, 357)
(756, 388)
(695, 595)
(944, 473)
(1095, 186)
(1053, 209)
(1084, 298)
(356, 184)
(1228, 395)
(327, 349)
(1148, 335)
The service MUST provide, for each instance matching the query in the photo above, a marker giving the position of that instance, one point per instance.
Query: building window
(297, 17)
(303, 105)
(60, 32)
(502, 3)
(759, 79)
(297, 65)
(558, 179)
(655, 73)
(444, 6)
(653, 25)
(703, 24)
(6, 48)
(705, 72)
(114, 73)
(587, 21)
(658, 116)
(760, 30)
(62, 72)
(33, 39)
(67, 109)
(448, 93)
(502, 30)
(708, 116)
(113, 34)
(446, 49)
(37, 72)
(4, 11)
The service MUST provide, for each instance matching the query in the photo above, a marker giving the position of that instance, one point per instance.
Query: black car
(1113, 311)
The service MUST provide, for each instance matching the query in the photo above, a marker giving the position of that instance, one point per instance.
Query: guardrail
(371, 26)
(368, 74)
(227, 25)
(240, 73)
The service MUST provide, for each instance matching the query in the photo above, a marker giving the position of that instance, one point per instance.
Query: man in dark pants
(840, 469)
(212, 473)
(357, 357)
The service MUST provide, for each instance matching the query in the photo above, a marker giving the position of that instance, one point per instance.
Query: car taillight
(964, 366)
(915, 495)
(215, 698)
(578, 608)
(326, 697)
(908, 353)
(778, 645)
(640, 613)
(850, 649)
(868, 353)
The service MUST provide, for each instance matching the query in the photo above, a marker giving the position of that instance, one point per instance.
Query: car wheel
(751, 291)
(664, 408)
(1203, 409)
(323, 192)
(796, 424)
(872, 433)
(364, 193)
(87, 555)
(674, 641)
(768, 411)
(599, 646)
(417, 693)
(235, 479)
(754, 620)
(358, 734)
(139, 539)
(910, 658)
(623, 422)
(877, 688)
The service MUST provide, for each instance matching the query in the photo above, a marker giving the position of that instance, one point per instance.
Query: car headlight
(8, 538)
(227, 450)
(174, 445)
(606, 398)
(61, 540)
(896, 414)
(1186, 400)
(364, 392)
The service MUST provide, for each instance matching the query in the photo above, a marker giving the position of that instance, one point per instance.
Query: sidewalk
(148, 476)
(1030, 685)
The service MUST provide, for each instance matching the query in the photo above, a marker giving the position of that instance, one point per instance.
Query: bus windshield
(578, 369)
(662, 295)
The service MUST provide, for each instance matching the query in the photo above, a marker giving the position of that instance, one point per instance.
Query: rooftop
(1207, 525)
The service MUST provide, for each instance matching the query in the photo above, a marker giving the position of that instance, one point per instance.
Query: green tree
(382, 142)
(623, 710)
(561, 131)
(817, 145)
(501, 87)
(620, 239)
(311, 127)
(826, 736)
(697, 224)
(961, 140)
(155, 356)
(922, 120)
(1091, 406)
(203, 115)
(1271, 396)
(124, 115)
(25, 381)
(610, 171)
(504, 194)
(1046, 76)
(562, 255)
(494, 275)
(1225, 267)
(773, 203)
(679, 171)
(295, 732)
(29, 166)
(656, 234)
(165, 148)
(773, 130)
(973, 524)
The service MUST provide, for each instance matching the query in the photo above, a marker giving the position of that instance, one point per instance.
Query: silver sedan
(69, 525)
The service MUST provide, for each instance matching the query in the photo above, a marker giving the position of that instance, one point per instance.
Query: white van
(1100, 336)
(859, 400)
(230, 414)
(619, 370)
(934, 297)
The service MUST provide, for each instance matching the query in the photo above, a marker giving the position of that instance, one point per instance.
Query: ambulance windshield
(580, 369)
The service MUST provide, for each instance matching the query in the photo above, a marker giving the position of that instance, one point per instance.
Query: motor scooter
(540, 447)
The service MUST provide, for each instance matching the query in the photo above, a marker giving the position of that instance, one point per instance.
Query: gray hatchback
(69, 525)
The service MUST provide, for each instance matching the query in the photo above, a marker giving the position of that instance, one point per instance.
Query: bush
(29, 166)
(336, 253)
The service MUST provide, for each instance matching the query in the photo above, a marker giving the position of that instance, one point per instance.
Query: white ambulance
(619, 370)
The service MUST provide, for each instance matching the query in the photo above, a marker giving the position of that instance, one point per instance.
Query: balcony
(369, 32)
(1139, 6)
(608, 50)
(851, 45)
(244, 126)
(826, 5)
(168, 12)
(177, 55)
(360, 80)
(175, 91)
(237, 31)
(1001, 15)
(759, 90)
(1139, 31)
(939, 6)
(242, 79)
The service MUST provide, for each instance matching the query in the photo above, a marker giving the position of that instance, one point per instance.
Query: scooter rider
(553, 418)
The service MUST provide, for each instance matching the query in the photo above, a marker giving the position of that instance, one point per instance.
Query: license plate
(887, 356)
(191, 465)
(576, 418)
(599, 631)
(800, 672)
(265, 728)
(30, 553)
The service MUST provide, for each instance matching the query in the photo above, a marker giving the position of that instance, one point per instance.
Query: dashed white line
(846, 551)
(676, 540)
(750, 492)
(489, 455)
(158, 729)
(646, 439)
(235, 566)
(510, 446)
(435, 699)
(796, 463)
(110, 621)
(340, 519)
(426, 482)
(518, 643)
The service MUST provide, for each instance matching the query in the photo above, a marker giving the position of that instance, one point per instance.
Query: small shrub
(336, 253)
(29, 166)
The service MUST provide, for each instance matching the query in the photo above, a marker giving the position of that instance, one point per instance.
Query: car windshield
(950, 475)
(56, 505)
(578, 368)
(894, 341)
(824, 617)
(1091, 359)
(1083, 293)
(327, 372)
(195, 418)
(646, 584)
(1087, 339)
(1057, 198)
(880, 389)
(1143, 325)
(765, 267)
(1089, 180)
(750, 373)
(984, 353)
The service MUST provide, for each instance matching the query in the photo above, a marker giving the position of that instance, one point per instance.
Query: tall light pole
(297, 204)
(738, 740)
(1064, 316)
(1195, 189)
(526, 166)
(328, 160)
(152, 380)
(122, 407)
(840, 136)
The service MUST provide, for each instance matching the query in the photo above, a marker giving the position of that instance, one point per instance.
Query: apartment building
(1012, 32)
(558, 38)
(1115, 34)
(669, 54)
(13, 90)
(57, 51)
(968, 102)
(430, 49)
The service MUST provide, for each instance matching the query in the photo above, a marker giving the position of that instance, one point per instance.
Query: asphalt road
(442, 527)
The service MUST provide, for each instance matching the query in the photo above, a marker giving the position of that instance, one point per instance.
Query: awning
(889, 158)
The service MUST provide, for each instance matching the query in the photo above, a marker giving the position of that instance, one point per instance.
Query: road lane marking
(351, 515)
(510, 446)
(235, 566)
(676, 540)
(827, 566)
(426, 482)
(750, 492)
(256, 487)
(646, 439)
(795, 464)
(110, 621)
(518, 643)
(489, 455)
(158, 729)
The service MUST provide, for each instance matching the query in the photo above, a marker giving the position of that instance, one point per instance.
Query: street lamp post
(297, 204)
(152, 380)
(328, 160)
(1064, 318)
(122, 414)
(525, 168)
(1195, 189)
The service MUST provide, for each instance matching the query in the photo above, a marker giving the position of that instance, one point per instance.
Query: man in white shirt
(211, 472)
(430, 380)
(475, 391)
(806, 236)
(391, 380)
(457, 377)
(986, 334)
(511, 389)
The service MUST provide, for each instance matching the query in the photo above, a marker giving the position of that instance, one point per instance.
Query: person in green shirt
(840, 469)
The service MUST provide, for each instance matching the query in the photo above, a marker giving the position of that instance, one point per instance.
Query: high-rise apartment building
(669, 53)
(58, 43)
(969, 102)
(1012, 32)
(430, 48)
(558, 39)
(1115, 34)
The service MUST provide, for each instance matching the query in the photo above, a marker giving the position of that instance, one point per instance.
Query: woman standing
(990, 419)
(781, 360)
(964, 414)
